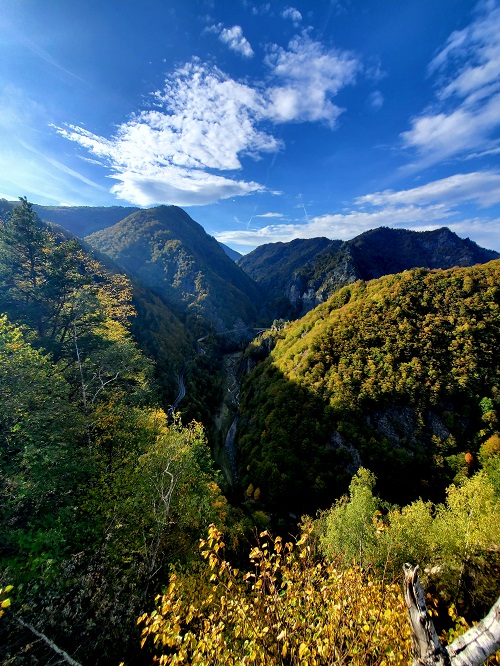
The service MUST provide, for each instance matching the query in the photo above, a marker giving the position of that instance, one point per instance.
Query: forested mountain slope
(173, 255)
(274, 265)
(304, 273)
(85, 531)
(105, 499)
(400, 374)
(159, 332)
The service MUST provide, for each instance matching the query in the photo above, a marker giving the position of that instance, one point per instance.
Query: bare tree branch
(47, 641)
(427, 649)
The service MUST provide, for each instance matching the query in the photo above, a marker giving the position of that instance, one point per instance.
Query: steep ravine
(227, 418)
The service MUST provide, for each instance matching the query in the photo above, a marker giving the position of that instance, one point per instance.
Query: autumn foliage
(290, 607)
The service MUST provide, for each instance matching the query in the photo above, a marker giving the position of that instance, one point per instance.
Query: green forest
(368, 436)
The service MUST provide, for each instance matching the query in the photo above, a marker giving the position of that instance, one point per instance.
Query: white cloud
(310, 76)
(202, 121)
(342, 226)
(292, 14)
(181, 187)
(270, 215)
(466, 113)
(480, 187)
(438, 136)
(234, 39)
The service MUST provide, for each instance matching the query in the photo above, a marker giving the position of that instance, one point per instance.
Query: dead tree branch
(470, 649)
(47, 641)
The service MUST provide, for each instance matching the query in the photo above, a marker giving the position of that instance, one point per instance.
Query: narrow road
(200, 350)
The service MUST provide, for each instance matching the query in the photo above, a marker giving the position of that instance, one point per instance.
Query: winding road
(200, 350)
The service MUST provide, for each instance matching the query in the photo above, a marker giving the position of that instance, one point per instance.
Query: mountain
(398, 375)
(83, 220)
(156, 329)
(303, 273)
(79, 220)
(172, 254)
(274, 265)
(232, 254)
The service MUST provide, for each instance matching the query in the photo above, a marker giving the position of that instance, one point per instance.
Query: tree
(40, 438)
(349, 527)
(22, 260)
(75, 309)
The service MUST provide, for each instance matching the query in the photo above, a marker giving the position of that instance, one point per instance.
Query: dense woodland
(376, 414)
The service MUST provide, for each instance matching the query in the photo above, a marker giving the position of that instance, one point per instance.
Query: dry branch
(470, 649)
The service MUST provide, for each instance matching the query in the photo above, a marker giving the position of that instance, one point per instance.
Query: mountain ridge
(297, 278)
(173, 255)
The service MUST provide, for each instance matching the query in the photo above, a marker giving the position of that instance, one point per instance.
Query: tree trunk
(470, 649)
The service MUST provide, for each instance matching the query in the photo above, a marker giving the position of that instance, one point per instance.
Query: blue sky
(266, 121)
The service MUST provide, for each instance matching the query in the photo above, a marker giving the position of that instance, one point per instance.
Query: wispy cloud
(376, 100)
(480, 187)
(27, 166)
(203, 121)
(22, 37)
(261, 9)
(465, 116)
(234, 39)
(277, 215)
(422, 208)
(340, 226)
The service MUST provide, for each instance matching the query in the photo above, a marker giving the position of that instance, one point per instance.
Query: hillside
(172, 254)
(232, 254)
(107, 499)
(274, 265)
(393, 374)
(157, 330)
(303, 273)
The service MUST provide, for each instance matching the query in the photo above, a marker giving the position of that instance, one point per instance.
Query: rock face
(172, 254)
(299, 275)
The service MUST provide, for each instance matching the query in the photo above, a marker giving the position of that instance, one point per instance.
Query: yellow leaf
(302, 650)
(5, 603)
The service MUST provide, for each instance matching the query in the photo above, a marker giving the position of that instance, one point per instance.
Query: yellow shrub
(289, 608)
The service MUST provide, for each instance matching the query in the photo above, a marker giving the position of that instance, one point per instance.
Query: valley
(187, 389)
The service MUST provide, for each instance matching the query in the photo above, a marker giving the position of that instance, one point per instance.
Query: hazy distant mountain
(173, 255)
(80, 220)
(83, 220)
(6, 206)
(299, 275)
(232, 254)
